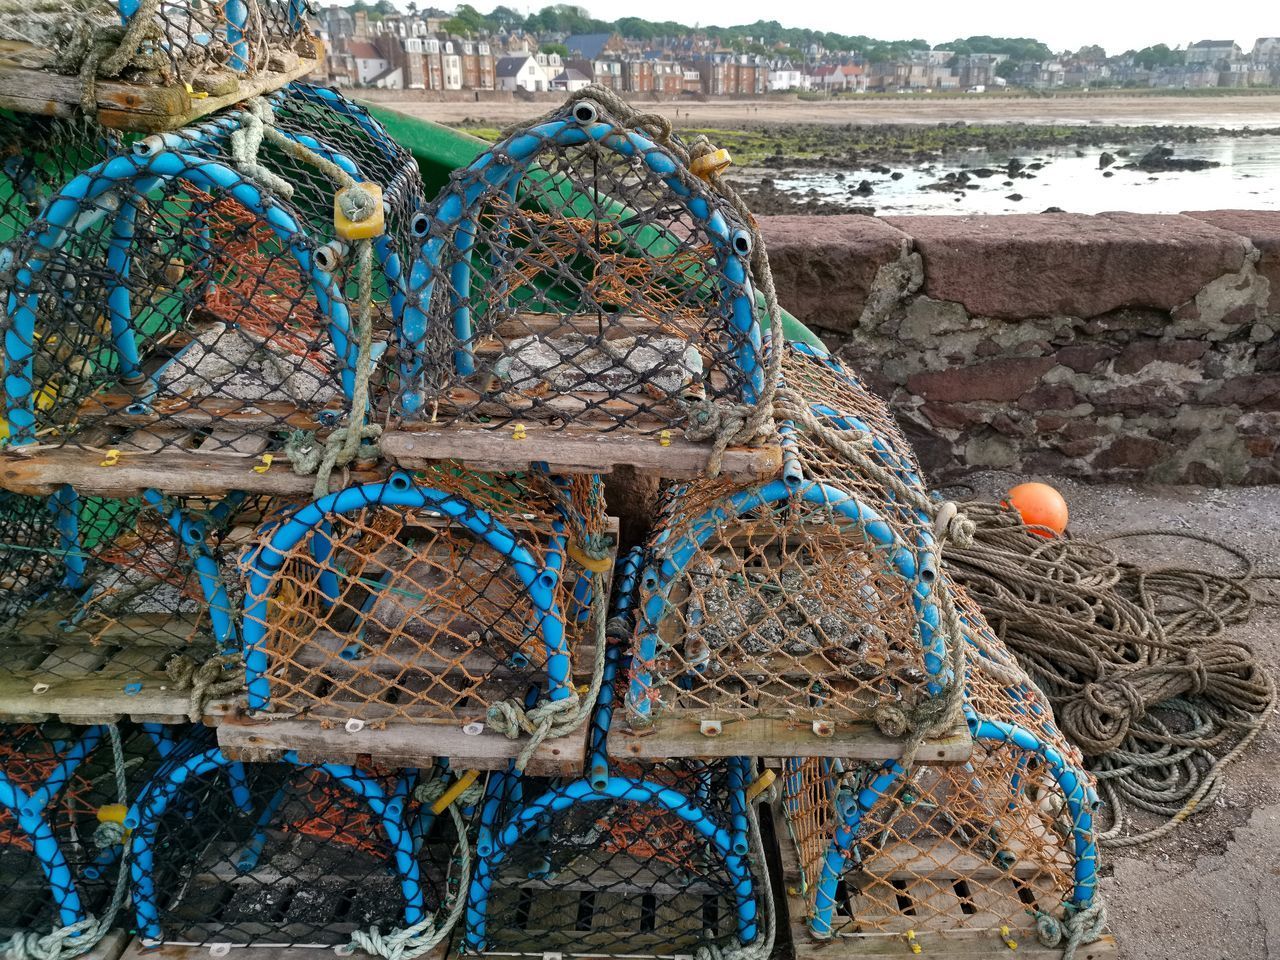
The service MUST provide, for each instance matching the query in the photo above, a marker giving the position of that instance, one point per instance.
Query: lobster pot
(166, 300)
(807, 598)
(61, 814)
(107, 591)
(207, 45)
(1000, 847)
(285, 853)
(648, 859)
(579, 276)
(37, 156)
(425, 599)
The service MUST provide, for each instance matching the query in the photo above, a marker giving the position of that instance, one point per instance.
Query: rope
(1133, 660)
(1080, 926)
(211, 679)
(556, 718)
(725, 424)
(356, 436)
(95, 51)
(73, 940)
(426, 934)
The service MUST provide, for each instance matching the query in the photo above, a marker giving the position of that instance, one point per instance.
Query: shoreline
(1225, 110)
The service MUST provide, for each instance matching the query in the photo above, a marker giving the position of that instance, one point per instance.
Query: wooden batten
(136, 107)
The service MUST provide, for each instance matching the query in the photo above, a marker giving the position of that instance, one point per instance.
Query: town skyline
(1116, 28)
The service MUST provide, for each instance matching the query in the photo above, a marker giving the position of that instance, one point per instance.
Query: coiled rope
(1133, 659)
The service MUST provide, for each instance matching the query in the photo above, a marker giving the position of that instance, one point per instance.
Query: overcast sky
(1063, 24)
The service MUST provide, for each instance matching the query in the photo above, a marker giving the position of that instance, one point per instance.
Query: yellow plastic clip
(518, 432)
(193, 95)
(588, 563)
(113, 457)
(709, 164)
(1009, 942)
(112, 813)
(265, 465)
(911, 942)
(371, 226)
(664, 438)
(762, 783)
(454, 792)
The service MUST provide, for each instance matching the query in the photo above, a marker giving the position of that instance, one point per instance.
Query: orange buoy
(1040, 505)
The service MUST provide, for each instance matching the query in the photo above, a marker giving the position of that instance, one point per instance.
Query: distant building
(521, 72)
(593, 46)
(1216, 52)
(570, 80)
(1266, 52)
(368, 62)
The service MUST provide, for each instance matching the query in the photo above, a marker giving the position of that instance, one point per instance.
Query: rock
(1142, 352)
(1105, 160)
(1003, 380)
(878, 168)
(1131, 453)
(896, 175)
(1083, 357)
(1053, 210)
(1015, 197)
(824, 276)
(1262, 229)
(864, 189)
(1109, 173)
(1161, 159)
(1015, 167)
(1041, 265)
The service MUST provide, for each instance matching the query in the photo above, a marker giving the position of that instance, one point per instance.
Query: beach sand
(1208, 111)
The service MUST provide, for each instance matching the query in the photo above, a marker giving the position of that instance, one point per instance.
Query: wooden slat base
(128, 682)
(138, 107)
(137, 950)
(399, 744)
(573, 450)
(960, 944)
(39, 471)
(681, 737)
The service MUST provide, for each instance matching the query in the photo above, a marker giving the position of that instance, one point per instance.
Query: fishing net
(578, 275)
(37, 156)
(105, 597)
(293, 854)
(207, 45)
(62, 796)
(437, 598)
(1001, 847)
(808, 598)
(637, 859)
(197, 293)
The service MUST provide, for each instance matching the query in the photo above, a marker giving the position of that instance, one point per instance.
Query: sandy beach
(1214, 111)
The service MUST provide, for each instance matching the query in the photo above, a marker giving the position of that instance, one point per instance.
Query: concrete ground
(1211, 890)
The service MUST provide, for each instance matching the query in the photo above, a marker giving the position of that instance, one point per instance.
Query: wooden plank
(143, 108)
(675, 736)
(401, 744)
(39, 471)
(573, 450)
(138, 950)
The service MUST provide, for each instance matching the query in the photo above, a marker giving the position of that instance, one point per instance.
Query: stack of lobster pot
(195, 328)
(315, 630)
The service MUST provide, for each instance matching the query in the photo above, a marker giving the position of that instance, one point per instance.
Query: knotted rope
(556, 718)
(1081, 926)
(1132, 659)
(725, 424)
(428, 933)
(356, 437)
(221, 675)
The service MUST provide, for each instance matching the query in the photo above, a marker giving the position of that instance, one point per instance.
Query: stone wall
(1118, 346)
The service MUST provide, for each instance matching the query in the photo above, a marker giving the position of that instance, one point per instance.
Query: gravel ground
(1211, 890)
